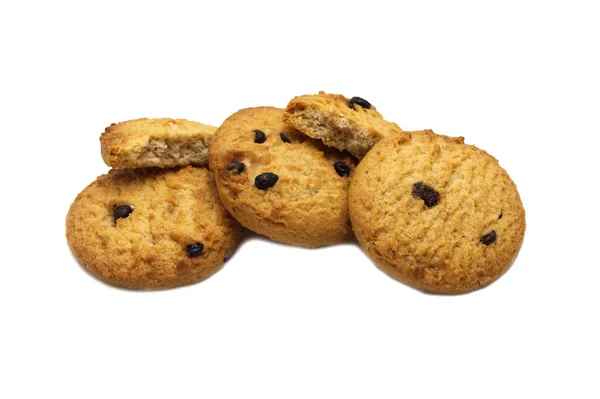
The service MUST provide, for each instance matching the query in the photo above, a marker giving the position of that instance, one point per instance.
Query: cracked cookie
(162, 142)
(435, 213)
(351, 124)
(151, 228)
(278, 182)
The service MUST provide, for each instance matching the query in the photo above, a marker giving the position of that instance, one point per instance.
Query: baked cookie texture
(353, 124)
(435, 213)
(278, 182)
(151, 228)
(160, 142)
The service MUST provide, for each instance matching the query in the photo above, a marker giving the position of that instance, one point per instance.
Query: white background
(518, 79)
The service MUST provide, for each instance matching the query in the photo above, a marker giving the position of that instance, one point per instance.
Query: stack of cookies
(435, 213)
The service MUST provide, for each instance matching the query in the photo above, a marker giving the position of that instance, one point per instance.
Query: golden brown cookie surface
(278, 182)
(160, 142)
(352, 124)
(435, 213)
(151, 228)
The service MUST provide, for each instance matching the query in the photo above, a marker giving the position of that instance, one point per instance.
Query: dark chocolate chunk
(342, 169)
(359, 101)
(122, 211)
(265, 180)
(489, 238)
(237, 166)
(500, 217)
(426, 193)
(284, 138)
(259, 136)
(195, 249)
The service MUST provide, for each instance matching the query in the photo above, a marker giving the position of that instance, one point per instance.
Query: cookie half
(351, 124)
(435, 213)
(163, 143)
(151, 228)
(278, 182)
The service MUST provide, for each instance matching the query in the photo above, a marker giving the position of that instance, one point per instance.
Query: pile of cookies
(435, 213)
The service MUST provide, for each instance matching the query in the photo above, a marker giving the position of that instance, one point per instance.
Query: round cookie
(351, 124)
(278, 182)
(151, 228)
(435, 213)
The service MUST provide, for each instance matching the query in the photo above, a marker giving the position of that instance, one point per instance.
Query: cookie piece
(163, 143)
(151, 228)
(347, 124)
(277, 182)
(435, 213)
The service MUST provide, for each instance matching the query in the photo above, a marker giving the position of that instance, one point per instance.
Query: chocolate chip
(122, 211)
(284, 138)
(489, 238)
(195, 249)
(237, 166)
(426, 193)
(265, 180)
(359, 101)
(500, 217)
(259, 136)
(342, 169)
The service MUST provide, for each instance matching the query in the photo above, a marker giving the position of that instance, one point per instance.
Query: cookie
(278, 182)
(151, 228)
(163, 143)
(435, 213)
(347, 124)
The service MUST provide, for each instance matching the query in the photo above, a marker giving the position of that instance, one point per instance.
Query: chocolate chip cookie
(435, 213)
(151, 228)
(278, 182)
(351, 124)
(162, 142)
